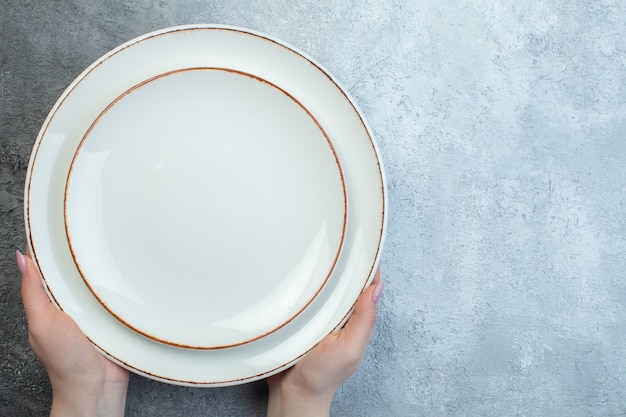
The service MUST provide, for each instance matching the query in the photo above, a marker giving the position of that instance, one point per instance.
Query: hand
(84, 383)
(307, 389)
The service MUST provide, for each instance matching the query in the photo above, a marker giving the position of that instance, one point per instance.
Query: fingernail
(21, 261)
(378, 292)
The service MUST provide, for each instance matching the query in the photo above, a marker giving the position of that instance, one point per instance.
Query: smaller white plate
(205, 208)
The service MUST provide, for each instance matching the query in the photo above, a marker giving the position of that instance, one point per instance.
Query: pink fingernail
(21, 261)
(378, 292)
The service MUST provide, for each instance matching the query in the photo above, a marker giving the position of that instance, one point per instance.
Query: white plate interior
(189, 47)
(205, 208)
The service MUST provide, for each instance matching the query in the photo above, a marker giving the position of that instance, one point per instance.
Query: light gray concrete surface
(502, 125)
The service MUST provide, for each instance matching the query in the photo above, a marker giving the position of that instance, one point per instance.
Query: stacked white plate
(207, 203)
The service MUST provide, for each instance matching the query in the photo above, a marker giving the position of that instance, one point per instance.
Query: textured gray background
(503, 129)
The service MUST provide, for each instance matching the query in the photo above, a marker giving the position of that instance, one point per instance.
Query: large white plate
(180, 49)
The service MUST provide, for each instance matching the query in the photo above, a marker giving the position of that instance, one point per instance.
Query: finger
(362, 320)
(358, 330)
(34, 297)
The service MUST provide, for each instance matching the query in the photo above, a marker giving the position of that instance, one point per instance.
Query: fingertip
(365, 308)
(378, 291)
(369, 298)
(21, 262)
(34, 295)
(358, 330)
(27, 282)
(26, 271)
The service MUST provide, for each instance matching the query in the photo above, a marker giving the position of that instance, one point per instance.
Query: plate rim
(372, 142)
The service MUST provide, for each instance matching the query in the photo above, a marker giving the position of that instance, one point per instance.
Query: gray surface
(503, 130)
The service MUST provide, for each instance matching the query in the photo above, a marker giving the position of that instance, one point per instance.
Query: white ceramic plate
(205, 208)
(183, 50)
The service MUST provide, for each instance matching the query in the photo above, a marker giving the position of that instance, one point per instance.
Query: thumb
(358, 330)
(34, 297)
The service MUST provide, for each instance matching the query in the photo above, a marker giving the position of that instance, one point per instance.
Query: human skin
(307, 389)
(85, 383)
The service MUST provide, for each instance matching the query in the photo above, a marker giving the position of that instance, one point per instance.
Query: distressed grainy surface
(503, 129)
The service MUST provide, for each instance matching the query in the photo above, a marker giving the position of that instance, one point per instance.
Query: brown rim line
(221, 346)
(243, 380)
(191, 383)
